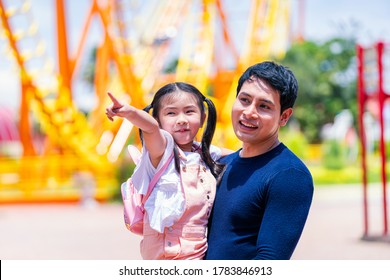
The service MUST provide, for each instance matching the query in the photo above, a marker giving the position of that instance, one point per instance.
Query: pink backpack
(133, 202)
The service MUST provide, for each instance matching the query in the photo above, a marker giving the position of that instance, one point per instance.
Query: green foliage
(88, 71)
(295, 140)
(350, 173)
(124, 170)
(172, 66)
(326, 75)
(334, 155)
(346, 175)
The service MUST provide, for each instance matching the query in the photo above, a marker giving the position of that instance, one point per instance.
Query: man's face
(256, 114)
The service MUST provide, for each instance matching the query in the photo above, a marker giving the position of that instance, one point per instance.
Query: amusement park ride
(136, 47)
(373, 87)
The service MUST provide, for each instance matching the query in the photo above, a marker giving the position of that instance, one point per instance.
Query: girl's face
(181, 116)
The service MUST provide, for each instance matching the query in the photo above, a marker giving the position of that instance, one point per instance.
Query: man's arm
(289, 198)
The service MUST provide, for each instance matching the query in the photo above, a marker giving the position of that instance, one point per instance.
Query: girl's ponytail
(215, 168)
(146, 109)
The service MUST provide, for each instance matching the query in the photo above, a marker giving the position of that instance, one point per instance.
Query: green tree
(88, 71)
(326, 74)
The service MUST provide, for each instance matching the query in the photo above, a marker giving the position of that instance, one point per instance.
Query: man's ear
(285, 116)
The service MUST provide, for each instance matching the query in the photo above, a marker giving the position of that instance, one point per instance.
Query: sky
(322, 19)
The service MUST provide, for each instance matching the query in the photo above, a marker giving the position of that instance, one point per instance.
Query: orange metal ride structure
(80, 155)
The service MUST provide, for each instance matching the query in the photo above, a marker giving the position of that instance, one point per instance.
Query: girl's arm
(153, 139)
(225, 152)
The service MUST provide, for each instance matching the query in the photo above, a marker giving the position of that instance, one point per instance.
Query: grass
(349, 174)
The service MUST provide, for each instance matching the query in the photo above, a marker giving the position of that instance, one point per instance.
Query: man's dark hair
(278, 77)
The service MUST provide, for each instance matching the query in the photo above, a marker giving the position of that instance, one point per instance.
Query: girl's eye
(171, 113)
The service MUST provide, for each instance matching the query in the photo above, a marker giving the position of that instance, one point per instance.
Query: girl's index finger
(115, 101)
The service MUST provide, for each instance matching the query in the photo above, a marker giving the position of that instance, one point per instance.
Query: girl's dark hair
(208, 133)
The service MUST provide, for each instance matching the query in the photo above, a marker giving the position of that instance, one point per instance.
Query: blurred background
(59, 152)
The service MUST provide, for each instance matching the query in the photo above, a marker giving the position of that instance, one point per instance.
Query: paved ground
(96, 232)
(335, 226)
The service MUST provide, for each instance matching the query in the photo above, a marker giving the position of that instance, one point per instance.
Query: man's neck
(251, 150)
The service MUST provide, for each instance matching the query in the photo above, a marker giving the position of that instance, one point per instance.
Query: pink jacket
(186, 238)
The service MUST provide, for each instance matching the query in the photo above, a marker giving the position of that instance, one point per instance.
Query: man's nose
(250, 111)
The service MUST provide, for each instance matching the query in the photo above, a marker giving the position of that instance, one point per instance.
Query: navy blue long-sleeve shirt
(261, 206)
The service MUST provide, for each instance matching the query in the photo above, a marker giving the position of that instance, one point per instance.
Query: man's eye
(264, 106)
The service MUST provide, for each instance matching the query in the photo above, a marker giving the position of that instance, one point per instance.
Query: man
(265, 193)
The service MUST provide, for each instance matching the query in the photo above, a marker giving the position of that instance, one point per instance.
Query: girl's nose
(181, 119)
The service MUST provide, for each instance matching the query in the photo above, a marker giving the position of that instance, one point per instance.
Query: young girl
(178, 209)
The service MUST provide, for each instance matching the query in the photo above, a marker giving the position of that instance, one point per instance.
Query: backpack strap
(156, 177)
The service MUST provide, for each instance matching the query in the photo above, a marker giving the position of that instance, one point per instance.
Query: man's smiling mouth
(247, 125)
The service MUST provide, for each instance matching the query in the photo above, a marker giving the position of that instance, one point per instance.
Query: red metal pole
(361, 101)
(382, 98)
